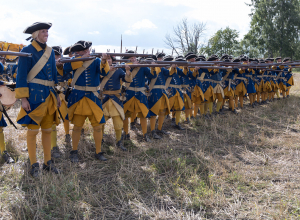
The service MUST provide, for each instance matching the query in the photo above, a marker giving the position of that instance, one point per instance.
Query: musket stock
(122, 54)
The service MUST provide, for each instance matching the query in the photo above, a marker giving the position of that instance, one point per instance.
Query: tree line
(274, 31)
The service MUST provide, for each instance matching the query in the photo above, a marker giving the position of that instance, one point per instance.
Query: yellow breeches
(274, 86)
(240, 89)
(63, 108)
(112, 108)
(187, 101)
(45, 112)
(209, 94)
(160, 105)
(197, 95)
(78, 120)
(267, 87)
(176, 102)
(282, 86)
(259, 88)
(229, 93)
(117, 121)
(134, 105)
(86, 108)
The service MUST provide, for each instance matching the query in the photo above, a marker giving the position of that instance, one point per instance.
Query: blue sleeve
(24, 67)
(1, 67)
(54, 70)
(68, 67)
(148, 73)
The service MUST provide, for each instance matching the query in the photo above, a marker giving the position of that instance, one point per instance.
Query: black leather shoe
(35, 170)
(125, 136)
(162, 131)
(7, 158)
(173, 123)
(154, 135)
(192, 117)
(187, 121)
(55, 153)
(100, 156)
(235, 112)
(278, 99)
(253, 106)
(179, 127)
(51, 167)
(288, 96)
(121, 146)
(74, 156)
(147, 138)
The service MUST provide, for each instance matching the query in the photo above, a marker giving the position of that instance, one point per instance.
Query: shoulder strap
(168, 81)
(40, 64)
(133, 74)
(153, 81)
(226, 76)
(105, 79)
(202, 76)
(80, 70)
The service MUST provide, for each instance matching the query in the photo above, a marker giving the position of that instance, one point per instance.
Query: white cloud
(94, 32)
(145, 23)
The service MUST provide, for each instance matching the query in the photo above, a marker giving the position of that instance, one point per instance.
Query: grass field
(242, 166)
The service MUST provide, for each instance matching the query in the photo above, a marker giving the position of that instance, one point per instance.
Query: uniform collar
(36, 46)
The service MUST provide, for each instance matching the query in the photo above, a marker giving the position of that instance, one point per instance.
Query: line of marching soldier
(50, 90)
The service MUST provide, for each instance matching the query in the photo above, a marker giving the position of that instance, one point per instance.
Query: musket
(121, 61)
(121, 54)
(76, 59)
(18, 54)
(140, 65)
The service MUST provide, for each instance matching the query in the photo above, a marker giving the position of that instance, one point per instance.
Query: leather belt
(42, 82)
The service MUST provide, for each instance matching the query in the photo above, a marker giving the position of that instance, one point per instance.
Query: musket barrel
(17, 54)
(76, 59)
(122, 54)
(141, 65)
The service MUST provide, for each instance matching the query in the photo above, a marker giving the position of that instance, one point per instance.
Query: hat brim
(36, 27)
(80, 47)
(190, 56)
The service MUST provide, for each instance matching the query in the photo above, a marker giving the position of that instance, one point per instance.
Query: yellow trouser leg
(191, 113)
(98, 137)
(2, 144)
(202, 106)
(118, 125)
(205, 108)
(277, 93)
(67, 126)
(218, 106)
(187, 114)
(270, 95)
(125, 125)
(251, 98)
(53, 137)
(144, 125)
(76, 137)
(177, 117)
(283, 94)
(31, 144)
(241, 98)
(236, 101)
(152, 122)
(210, 106)
(161, 119)
(46, 141)
(133, 116)
(288, 91)
(258, 97)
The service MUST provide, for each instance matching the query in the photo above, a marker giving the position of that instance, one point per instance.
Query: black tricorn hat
(200, 58)
(127, 56)
(180, 58)
(225, 56)
(236, 60)
(37, 26)
(227, 60)
(190, 55)
(270, 59)
(57, 50)
(168, 58)
(212, 58)
(243, 59)
(67, 51)
(160, 55)
(80, 46)
(278, 58)
(286, 59)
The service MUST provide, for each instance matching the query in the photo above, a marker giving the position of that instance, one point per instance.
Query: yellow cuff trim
(104, 66)
(172, 71)
(76, 65)
(22, 92)
(60, 71)
(152, 69)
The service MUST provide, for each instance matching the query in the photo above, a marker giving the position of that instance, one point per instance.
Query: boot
(179, 127)
(68, 138)
(147, 138)
(154, 135)
(55, 153)
(288, 96)
(50, 167)
(235, 112)
(173, 123)
(7, 158)
(253, 106)
(187, 121)
(125, 136)
(120, 145)
(35, 170)
(100, 156)
(74, 156)
(162, 131)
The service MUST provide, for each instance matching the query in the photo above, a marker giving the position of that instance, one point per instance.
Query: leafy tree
(222, 42)
(185, 37)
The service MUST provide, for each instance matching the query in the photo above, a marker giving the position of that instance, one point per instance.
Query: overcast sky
(142, 23)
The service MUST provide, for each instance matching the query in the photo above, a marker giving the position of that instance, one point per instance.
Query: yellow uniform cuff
(76, 65)
(104, 66)
(172, 71)
(22, 92)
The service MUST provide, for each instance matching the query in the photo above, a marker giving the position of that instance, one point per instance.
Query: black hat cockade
(57, 50)
(190, 55)
(160, 55)
(80, 46)
(36, 27)
(168, 58)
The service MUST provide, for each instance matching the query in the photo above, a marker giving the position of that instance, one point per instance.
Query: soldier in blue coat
(136, 102)
(83, 101)
(35, 88)
(112, 103)
(289, 77)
